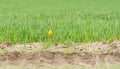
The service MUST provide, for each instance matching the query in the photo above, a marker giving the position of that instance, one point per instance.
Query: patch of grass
(64, 67)
(71, 28)
(71, 21)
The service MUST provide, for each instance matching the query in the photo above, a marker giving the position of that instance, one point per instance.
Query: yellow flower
(50, 33)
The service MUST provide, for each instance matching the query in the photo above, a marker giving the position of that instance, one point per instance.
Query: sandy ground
(90, 54)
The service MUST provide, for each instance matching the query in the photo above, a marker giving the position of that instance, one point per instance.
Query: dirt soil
(90, 54)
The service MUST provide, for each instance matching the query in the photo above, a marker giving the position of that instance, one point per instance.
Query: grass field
(24, 21)
(71, 21)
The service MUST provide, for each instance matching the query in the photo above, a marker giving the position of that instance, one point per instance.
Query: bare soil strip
(91, 55)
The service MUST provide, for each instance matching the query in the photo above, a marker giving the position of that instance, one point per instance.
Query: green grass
(24, 21)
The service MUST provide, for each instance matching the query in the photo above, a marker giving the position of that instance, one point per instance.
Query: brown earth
(90, 54)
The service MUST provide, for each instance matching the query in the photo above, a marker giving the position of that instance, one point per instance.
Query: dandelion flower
(50, 33)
